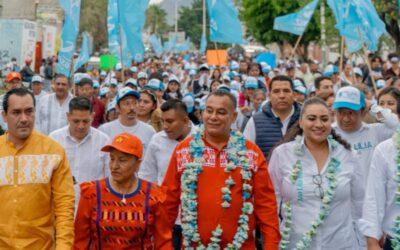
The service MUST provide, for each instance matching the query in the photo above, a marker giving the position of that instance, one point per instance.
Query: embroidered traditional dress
(210, 181)
(111, 223)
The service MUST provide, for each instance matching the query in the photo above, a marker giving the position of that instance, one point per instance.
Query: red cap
(13, 75)
(126, 143)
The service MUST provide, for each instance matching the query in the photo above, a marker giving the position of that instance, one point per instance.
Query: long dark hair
(296, 130)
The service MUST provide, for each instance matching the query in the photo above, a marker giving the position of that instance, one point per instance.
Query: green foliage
(156, 20)
(94, 21)
(191, 21)
(259, 15)
(389, 13)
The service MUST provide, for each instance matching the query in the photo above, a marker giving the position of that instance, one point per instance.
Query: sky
(155, 1)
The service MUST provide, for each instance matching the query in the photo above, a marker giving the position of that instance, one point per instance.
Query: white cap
(37, 78)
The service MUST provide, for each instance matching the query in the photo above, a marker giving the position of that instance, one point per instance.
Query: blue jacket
(268, 127)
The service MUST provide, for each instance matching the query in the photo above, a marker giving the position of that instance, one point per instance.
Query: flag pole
(369, 69)
(295, 47)
(121, 56)
(72, 76)
(341, 56)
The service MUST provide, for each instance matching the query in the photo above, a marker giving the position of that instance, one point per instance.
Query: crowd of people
(174, 153)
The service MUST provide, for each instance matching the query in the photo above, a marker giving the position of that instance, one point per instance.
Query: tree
(191, 21)
(94, 21)
(156, 20)
(259, 15)
(389, 13)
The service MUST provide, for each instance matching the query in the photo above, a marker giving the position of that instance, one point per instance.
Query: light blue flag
(358, 22)
(183, 47)
(225, 25)
(72, 10)
(203, 44)
(156, 44)
(296, 23)
(113, 34)
(84, 55)
(170, 45)
(132, 16)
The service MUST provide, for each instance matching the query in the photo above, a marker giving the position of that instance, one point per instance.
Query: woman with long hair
(148, 110)
(318, 184)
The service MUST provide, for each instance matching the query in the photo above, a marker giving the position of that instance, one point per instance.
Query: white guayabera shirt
(380, 209)
(87, 161)
(52, 115)
(339, 231)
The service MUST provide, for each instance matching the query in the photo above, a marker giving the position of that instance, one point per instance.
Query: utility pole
(176, 16)
(204, 17)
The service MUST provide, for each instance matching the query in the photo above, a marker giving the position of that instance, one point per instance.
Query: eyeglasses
(319, 190)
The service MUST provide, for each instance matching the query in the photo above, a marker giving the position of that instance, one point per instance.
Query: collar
(26, 142)
(288, 117)
(87, 137)
(363, 127)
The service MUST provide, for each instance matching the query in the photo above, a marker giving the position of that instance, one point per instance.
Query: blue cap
(111, 105)
(134, 69)
(380, 83)
(330, 70)
(192, 72)
(37, 78)
(103, 91)
(188, 99)
(126, 91)
(142, 75)
(251, 83)
(154, 84)
(224, 87)
(349, 98)
(132, 82)
(96, 84)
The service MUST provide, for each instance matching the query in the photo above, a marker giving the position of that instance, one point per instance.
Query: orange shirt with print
(210, 182)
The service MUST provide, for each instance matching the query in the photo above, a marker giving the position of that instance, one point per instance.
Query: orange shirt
(210, 182)
(121, 225)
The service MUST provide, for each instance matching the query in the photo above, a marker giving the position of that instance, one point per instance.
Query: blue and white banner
(84, 55)
(225, 25)
(132, 16)
(113, 34)
(296, 23)
(170, 44)
(156, 44)
(72, 11)
(183, 47)
(358, 22)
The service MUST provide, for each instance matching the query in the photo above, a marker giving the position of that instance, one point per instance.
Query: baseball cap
(134, 69)
(251, 83)
(103, 73)
(349, 98)
(126, 91)
(204, 67)
(132, 82)
(234, 65)
(12, 76)
(103, 91)
(380, 83)
(154, 84)
(126, 143)
(188, 99)
(235, 85)
(173, 78)
(299, 87)
(118, 66)
(394, 59)
(226, 78)
(37, 78)
(357, 71)
(266, 69)
(111, 105)
(224, 87)
(330, 70)
(96, 84)
(114, 82)
(192, 72)
(165, 74)
(142, 75)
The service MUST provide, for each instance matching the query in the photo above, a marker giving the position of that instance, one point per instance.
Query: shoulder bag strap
(146, 215)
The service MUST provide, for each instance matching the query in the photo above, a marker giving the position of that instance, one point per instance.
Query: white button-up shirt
(142, 130)
(37, 100)
(87, 161)
(364, 141)
(52, 114)
(158, 154)
(380, 209)
(338, 231)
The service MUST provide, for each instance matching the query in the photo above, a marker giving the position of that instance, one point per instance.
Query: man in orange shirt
(221, 182)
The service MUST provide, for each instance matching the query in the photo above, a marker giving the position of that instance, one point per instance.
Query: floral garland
(395, 241)
(237, 156)
(332, 169)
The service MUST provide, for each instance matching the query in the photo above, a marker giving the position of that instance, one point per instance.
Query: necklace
(129, 189)
(237, 158)
(296, 177)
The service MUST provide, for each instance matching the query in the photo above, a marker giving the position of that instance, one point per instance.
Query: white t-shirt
(142, 130)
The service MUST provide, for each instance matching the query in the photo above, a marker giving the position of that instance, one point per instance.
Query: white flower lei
(395, 242)
(332, 169)
(237, 156)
